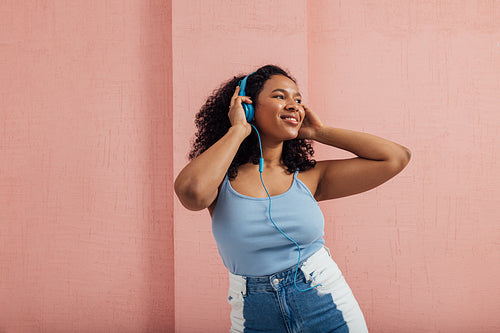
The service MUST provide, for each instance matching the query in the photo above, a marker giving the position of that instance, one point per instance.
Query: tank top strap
(224, 182)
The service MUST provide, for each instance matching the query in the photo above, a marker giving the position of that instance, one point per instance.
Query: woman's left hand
(310, 125)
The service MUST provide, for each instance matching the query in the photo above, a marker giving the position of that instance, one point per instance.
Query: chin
(291, 136)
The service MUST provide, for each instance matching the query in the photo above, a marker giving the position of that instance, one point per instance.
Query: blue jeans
(272, 304)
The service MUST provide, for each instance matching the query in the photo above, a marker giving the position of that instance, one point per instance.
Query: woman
(265, 218)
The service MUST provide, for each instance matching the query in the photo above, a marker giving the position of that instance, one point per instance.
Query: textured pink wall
(89, 146)
(86, 167)
(420, 252)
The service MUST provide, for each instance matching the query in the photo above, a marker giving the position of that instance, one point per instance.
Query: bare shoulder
(311, 177)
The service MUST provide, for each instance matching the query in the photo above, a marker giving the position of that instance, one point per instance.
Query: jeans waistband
(284, 278)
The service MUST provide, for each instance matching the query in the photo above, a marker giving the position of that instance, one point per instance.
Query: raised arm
(197, 183)
(378, 159)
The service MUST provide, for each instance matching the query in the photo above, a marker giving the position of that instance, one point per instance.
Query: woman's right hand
(237, 113)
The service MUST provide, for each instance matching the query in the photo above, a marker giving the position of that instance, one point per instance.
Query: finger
(240, 99)
(245, 99)
(236, 92)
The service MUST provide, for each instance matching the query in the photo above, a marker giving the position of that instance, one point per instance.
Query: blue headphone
(249, 114)
(249, 110)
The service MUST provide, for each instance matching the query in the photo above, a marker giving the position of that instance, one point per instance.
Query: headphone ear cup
(249, 111)
(248, 108)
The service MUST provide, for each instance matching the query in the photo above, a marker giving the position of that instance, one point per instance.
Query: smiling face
(278, 110)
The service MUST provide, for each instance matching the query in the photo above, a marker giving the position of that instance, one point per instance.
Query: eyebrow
(284, 91)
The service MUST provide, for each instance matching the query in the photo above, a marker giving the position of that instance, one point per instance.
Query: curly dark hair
(212, 123)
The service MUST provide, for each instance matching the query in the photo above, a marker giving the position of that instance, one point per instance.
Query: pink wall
(421, 251)
(86, 200)
(90, 145)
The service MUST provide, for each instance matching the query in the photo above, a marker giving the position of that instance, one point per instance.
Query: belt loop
(328, 251)
(244, 287)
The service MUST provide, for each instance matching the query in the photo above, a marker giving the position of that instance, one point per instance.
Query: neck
(272, 154)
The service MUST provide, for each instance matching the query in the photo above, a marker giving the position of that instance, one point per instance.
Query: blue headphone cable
(261, 169)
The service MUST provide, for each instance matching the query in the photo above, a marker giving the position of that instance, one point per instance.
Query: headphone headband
(243, 84)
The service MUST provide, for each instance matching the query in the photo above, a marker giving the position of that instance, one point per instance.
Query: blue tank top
(248, 242)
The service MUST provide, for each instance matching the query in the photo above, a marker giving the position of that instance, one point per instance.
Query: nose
(292, 105)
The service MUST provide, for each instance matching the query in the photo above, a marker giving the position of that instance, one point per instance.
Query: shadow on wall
(159, 256)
